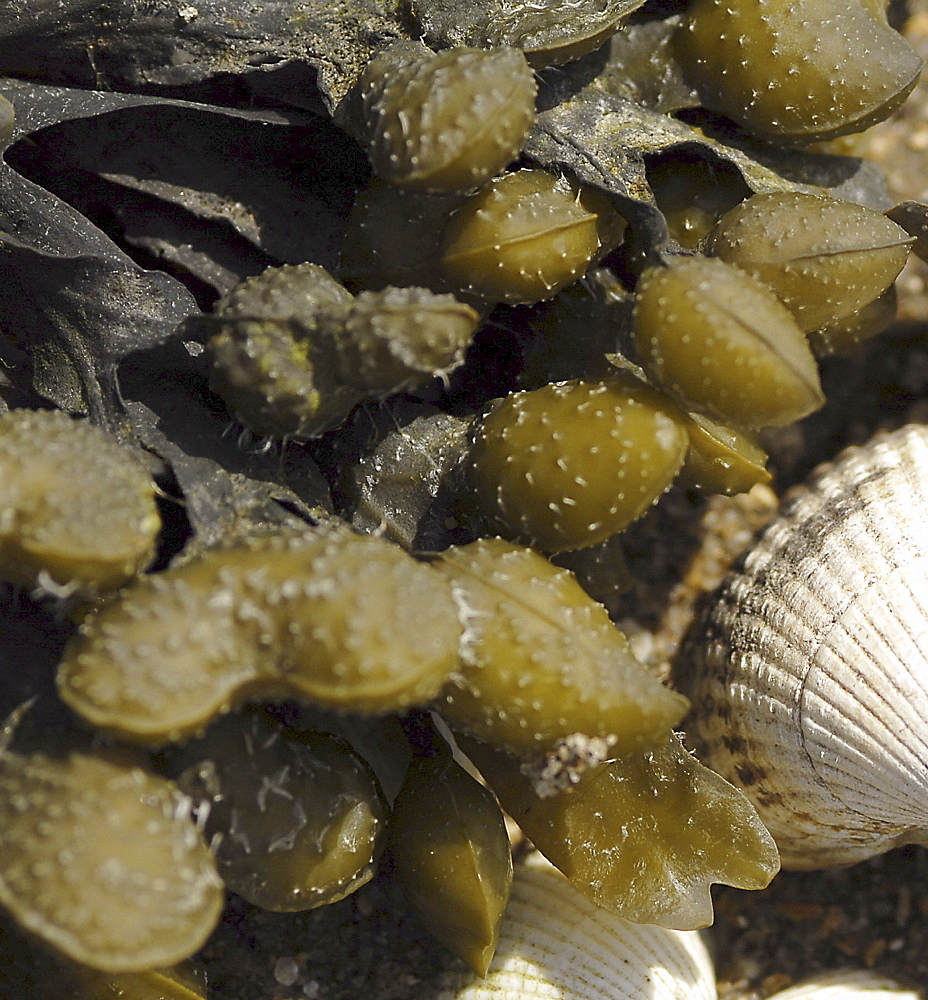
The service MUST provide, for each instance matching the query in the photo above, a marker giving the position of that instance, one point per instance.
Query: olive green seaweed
(824, 258)
(791, 69)
(77, 509)
(520, 196)
(298, 818)
(541, 660)
(445, 121)
(549, 34)
(289, 614)
(567, 465)
(451, 854)
(29, 971)
(293, 352)
(7, 118)
(401, 485)
(522, 237)
(722, 342)
(722, 459)
(103, 862)
(842, 336)
(392, 237)
(644, 835)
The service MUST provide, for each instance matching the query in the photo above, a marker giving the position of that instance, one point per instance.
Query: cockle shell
(810, 679)
(556, 945)
(862, 984)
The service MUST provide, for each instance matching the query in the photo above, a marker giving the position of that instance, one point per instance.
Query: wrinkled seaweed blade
(76, 304)
(227, 485)
(605, 140)
(534, 27)
(639, 65)
(127, 44)
(39, 105)
(285, 190)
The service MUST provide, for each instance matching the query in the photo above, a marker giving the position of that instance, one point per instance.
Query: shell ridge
(815, 686)
(857, 501)
(884, 717)
(886, 542)
(557, 945)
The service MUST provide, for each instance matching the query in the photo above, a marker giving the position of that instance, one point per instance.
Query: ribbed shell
(861, 984)
(811, 691)
(556, 945)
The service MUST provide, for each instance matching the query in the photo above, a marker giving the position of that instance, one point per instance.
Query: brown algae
(398, 338)
(722, 459)
(293, 351)
(103, 862)
(298, 818)
(797, 71)
(524, 236)
(490, 635)
(572, 463)
(549, 34)
(77, 509)
(344, 620)
(541, 660)
(445, 121)
(451, 855)
(724, 344)
(644, 835)
(826, 259)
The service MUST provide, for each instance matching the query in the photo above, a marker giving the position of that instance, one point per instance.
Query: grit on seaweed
(351, 356)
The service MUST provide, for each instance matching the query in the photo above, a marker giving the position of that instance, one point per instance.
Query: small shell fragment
(862, 984)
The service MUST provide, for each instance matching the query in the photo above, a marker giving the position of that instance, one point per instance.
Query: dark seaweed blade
(535, 27)
(208, 190)
(134, 44)
(636, 64)
(283, 189)
(229, 482)
(606, 140)
(913, 217)
(78, 308)
(41, 105)
(75, 302)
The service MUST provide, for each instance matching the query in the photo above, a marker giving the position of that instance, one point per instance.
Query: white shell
(556, 945)
(859, 985)
(811, 691)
